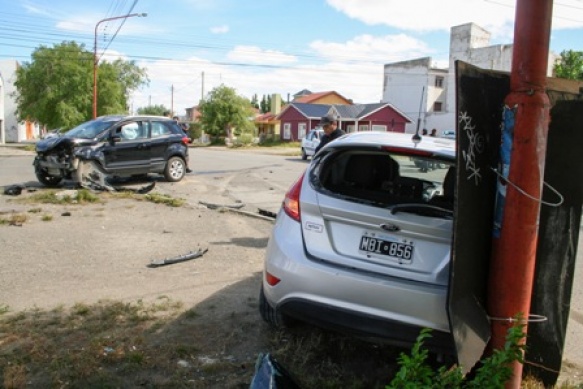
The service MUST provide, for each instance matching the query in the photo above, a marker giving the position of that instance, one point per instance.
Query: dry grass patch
(14, 219)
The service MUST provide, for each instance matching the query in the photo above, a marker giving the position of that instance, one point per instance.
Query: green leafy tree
(56, 87)
(226, 113)
(157, 110)
(570, 65)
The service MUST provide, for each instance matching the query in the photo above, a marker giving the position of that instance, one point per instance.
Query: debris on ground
(14, 190)
(218, 206)
(180, 258)
(269, 374)
(92, 177)
(265, 212)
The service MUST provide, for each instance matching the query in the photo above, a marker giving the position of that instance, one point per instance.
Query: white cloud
(497, 16)
(220, 29)
(369, 48)
(256, 55)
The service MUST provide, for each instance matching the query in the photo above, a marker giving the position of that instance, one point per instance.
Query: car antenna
(417, 138)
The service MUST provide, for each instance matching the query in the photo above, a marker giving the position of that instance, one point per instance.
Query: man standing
(331, 131)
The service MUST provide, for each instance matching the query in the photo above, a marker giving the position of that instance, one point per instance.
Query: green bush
(243, 140)
(493, 372)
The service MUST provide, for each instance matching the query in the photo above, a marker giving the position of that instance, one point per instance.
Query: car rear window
(385, 179)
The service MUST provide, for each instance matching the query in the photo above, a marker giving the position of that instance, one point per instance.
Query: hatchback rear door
(377, 212)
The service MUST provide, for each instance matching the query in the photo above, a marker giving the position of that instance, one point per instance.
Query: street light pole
(95, 60)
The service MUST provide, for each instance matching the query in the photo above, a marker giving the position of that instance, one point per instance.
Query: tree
(265, 103)
(56, 87)
(254, 101)
(158, 110)
(570, 65)
(225, 112)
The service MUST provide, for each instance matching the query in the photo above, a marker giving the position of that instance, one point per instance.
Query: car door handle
(144, 146)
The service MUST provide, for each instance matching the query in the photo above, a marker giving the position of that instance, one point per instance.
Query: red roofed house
(297, 119)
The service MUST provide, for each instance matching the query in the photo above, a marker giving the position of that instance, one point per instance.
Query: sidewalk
(15, 149)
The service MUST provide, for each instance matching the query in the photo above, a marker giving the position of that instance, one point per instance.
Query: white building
(11, 130)
(427, 93)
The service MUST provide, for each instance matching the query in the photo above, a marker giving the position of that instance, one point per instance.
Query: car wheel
(271, 315)
(175, 169)
(304, 155)
(46, 179)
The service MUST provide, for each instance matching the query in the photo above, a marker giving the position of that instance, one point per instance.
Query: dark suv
(117, 146)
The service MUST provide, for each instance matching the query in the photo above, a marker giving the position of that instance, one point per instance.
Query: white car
(449, 134)
(310, 142)
(363, 241)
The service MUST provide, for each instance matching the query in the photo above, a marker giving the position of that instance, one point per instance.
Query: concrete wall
(13, 131)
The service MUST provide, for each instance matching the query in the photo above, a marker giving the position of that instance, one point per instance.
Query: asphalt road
(259, 181)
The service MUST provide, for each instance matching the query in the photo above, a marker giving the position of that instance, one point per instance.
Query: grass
(85, 346)
(81, 196)
(159, 198)
(47, 218)
(15, 219)
(155, 197)
(280, 143)
(164, 344)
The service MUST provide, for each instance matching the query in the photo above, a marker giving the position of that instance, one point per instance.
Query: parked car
(119, 146)
(449, 134)
(362, 243)
(310, 142)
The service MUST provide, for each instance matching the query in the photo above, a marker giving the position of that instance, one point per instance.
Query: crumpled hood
(48, 144)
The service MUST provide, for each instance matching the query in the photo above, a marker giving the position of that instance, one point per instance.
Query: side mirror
(113, 137)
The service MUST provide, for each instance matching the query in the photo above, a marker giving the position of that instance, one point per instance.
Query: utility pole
(172, 100)
(202, 87)
(514, 252)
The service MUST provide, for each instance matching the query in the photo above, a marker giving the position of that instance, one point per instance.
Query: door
(162, 137)
(129, 150)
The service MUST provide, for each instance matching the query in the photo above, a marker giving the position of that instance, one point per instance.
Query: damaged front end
(56, 160)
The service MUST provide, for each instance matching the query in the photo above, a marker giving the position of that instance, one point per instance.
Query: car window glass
(159, 129)
(387, 178)
(131, 131)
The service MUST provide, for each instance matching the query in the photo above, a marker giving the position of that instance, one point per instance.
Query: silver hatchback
(362, 243)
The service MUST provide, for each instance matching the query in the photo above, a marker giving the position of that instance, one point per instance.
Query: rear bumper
(347, 300)
(366, 326)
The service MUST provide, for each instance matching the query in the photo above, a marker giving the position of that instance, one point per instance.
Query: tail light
(185, 140)
(291, 202)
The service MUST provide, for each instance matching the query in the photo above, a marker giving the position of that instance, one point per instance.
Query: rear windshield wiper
(422, 209)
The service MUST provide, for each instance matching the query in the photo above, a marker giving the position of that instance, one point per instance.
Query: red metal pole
(514, 255)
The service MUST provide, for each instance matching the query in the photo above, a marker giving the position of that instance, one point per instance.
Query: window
(350, 128)
(159, 129)
(363, 127)
(130, 131)
(379, 128)
(301, 130)
(437, 106)
(286, 130)
(439, 81)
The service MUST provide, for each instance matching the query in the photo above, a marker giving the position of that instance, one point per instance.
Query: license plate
(374, 245)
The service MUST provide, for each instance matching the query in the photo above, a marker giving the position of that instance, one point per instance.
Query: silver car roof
(441, 147)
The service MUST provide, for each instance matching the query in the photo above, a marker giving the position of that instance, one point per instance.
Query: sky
(189, 47)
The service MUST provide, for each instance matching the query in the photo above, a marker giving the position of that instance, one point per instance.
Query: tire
(175, 169)
(272, 316)
(304, 155)
(46, 179)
